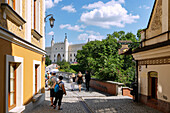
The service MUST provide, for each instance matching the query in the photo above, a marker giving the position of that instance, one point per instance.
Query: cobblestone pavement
(92, 102)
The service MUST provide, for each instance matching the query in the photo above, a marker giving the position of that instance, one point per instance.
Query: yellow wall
(5, 48)
(163, 80)
(29, 56)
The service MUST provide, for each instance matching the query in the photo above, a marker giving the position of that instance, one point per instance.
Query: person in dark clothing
(88, 78)
(79, 80)
(59, 93)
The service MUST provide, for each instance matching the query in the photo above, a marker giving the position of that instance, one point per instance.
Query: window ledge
(36, 97)
(36, 34)
(17, 109)
(12, 15)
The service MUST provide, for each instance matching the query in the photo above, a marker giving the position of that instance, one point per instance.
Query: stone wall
(113, 88)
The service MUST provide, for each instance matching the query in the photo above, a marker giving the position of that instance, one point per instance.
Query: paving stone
(93, 101)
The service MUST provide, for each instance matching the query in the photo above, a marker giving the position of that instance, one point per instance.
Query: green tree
(47, 60)
(101, 58)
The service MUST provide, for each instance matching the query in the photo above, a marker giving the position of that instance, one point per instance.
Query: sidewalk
(92, 102)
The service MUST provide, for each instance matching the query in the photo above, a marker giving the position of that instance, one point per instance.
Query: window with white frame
(14, 84)
(36, 15)
(36, 77)
(12, 3)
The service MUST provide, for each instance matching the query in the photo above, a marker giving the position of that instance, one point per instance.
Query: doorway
(58, 57)
(153, 84)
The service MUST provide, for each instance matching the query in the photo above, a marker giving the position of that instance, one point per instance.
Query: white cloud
(74, 28)
(108, 14)
(90, 35)
(50, 3)
(57, 1)
(51, 33)
(144, 7)
(69, 8)
(101, 4)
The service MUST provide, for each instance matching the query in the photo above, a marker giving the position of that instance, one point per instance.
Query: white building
(63, 50)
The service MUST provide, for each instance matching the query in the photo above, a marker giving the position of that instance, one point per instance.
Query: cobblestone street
(93, 102)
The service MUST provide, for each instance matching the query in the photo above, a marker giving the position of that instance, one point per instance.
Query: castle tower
(66, 44)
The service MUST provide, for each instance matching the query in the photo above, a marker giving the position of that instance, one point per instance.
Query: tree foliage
(101, 58)
(47, 60)
(65, 66)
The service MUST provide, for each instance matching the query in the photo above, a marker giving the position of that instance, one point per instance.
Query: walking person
(52, 80)
(73, 77)
(59, 93)
(79, 80)
(88, 78)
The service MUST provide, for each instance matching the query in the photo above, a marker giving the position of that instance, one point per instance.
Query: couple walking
(80, 80)
(57, 90)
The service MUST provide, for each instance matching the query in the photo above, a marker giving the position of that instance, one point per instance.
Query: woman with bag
(79, 80)
(59, 93)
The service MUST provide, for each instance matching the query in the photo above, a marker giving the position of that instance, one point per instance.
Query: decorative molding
(155, 61)
(7, 35)
(12, 15)
(36, 34)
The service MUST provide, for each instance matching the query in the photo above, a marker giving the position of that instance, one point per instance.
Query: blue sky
(94, 19)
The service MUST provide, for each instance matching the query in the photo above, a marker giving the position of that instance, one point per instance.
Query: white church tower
(66, 44)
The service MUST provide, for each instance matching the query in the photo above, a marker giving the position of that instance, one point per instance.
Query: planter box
(126, 92)
(110, 87)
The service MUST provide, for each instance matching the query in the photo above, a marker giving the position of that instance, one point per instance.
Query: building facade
(153, 59)
(22, 51)
(63, 51)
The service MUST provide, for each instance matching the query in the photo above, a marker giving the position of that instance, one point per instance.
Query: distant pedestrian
(59, 93)
(79, 80)
(88, 78)
(52, 80)
(73, 79)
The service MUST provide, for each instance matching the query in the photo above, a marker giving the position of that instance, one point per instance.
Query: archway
(58, 57)
(152, 84)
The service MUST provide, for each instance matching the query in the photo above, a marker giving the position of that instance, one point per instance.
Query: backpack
(56, 88)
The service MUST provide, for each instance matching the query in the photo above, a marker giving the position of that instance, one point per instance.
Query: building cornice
(11, 37)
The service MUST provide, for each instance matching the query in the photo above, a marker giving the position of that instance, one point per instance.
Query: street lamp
(50, 19)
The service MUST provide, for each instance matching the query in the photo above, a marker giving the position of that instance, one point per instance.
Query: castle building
(22, 55)
(63, 51)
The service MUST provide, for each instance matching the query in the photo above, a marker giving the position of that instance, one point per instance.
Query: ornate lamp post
(51, 24)
(50, 19)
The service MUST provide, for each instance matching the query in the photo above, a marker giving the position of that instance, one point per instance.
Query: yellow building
(154, 59)
(22, 50)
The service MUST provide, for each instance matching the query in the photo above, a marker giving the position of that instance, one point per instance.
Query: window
(55, 48)
(34, 14)
(63, 55)
(36, 67)
(54, 60)
(49, 56)
(74, 60)
(74, 54)
(61, 47)
(70, 55)
(54, 55)
(12, 86)
(12, 3)
(70, 60)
